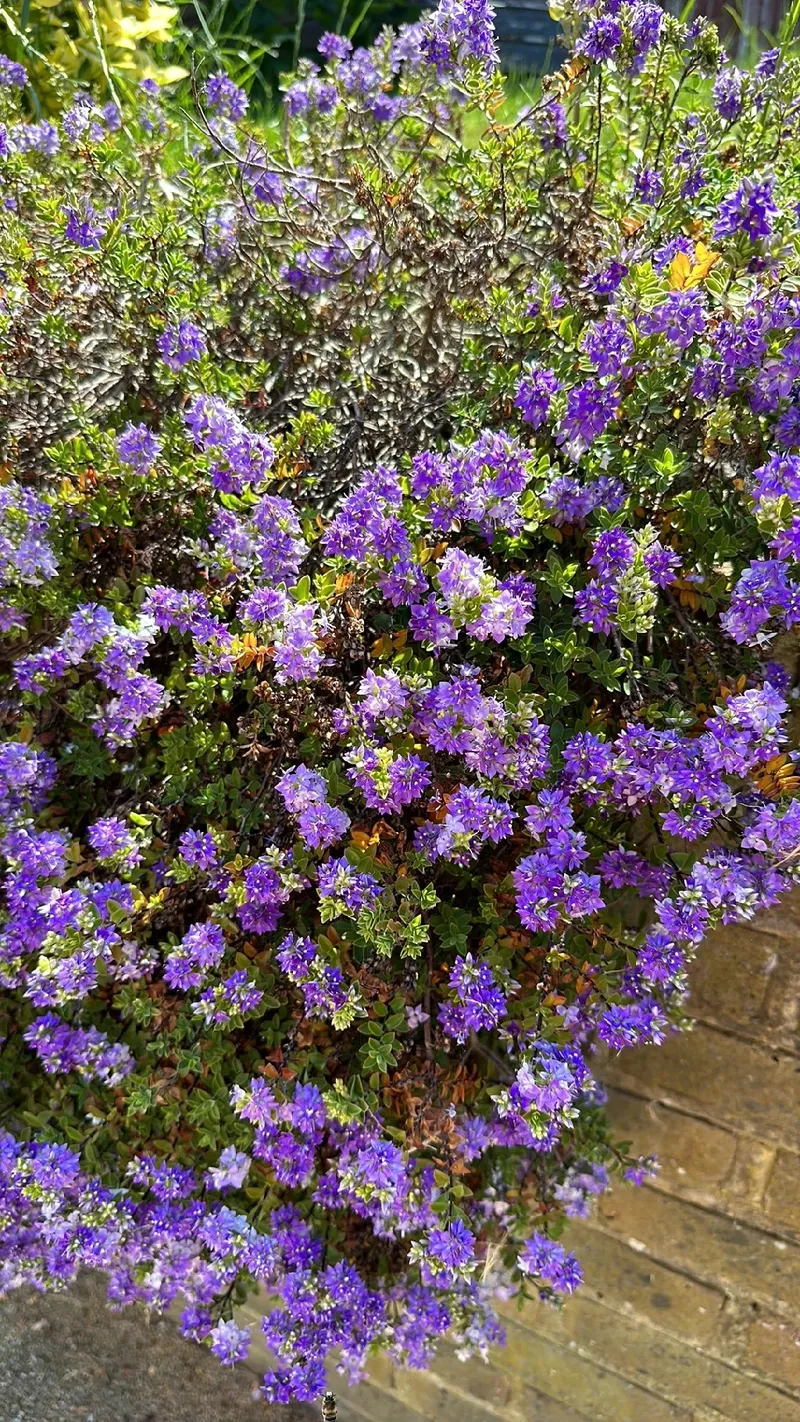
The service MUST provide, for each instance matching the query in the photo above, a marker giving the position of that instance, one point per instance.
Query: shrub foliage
(397, 511)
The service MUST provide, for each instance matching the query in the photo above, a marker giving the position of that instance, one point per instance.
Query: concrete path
(66, 1358)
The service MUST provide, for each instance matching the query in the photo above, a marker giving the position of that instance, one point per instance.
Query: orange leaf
(683, 273)
(680, 269)
(704, 261)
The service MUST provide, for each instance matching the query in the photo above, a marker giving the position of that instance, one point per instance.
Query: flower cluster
(114, 654)
(304, 794)
(61, 1048)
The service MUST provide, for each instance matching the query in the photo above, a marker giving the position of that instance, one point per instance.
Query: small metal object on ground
(329, 1409)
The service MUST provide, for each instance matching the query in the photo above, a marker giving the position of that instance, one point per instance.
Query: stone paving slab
(67, 1358)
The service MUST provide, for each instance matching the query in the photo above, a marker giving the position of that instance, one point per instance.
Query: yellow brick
(486, 1383)
(783, 919)
(731, 974)
(710, 1073)
(648, 1357)
(438, 1403)
(381, 1370)
(371, 1404)
(773, 1347)
(782, 1201)
(590, 1389)
(709, 1247)
(628, 1280)
(694, 1157)
(752, 1168)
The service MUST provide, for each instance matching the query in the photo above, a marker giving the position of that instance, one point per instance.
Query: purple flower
(679, 317)
(231, 1171)
(233, 998)
(608, 345)
(138, 447)
(226, 98)
(534, 393)
(728, 93)
(335, 46)
(181, 344)
(571, 501)
(778, 477)
(383, 698)
(431, 626)
(768, 63)
(201, 948)
(83, 227)
(662, 564)
(454, 1246)
(775, 830)
(199, 850)
(301, 787)
(297, 99)
(479, 1002)
(378, 1167)
(41, 137)
(787, 430)
(579, 1186)
(345, 889)
(645, 1169)
(547, 1260)
(111, 839)
(601, 38)
(633, 1025)
(647, 24)
(61, 1048)
(457, 31)
(473, 818)
(590, 408)
(77, 121)
(265, 895)
(265, 605)
(749, 209)
(296, 956)
(229, 1343)
(304, 794)
(297, 655)
(659, 960)
(597, 605)
(550, 122)
(666, 254)
(25, 553)
(12, 75)
(763, 590)
(608, 279)
(321, 825)
(387, 782)
(649, 186)
(112, 117)
(612, 553)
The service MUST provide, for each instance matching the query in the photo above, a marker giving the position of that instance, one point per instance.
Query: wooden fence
(529, 37)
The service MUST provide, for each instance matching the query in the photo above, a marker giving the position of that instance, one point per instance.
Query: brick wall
(691, 1307)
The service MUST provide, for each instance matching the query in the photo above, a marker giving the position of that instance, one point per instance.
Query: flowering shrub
(345, 812)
